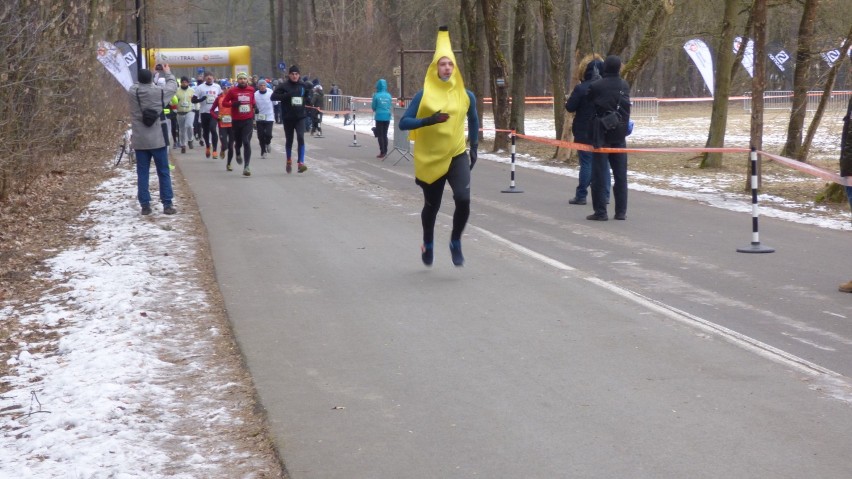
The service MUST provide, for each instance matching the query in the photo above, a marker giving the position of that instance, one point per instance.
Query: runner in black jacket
(294, 95)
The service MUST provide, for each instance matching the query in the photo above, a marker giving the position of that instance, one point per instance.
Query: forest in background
(533, 45)
(354, 42)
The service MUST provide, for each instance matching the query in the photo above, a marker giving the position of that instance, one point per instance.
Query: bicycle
(124, 146)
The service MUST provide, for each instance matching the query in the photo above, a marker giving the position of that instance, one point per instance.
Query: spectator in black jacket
(584, 112)
(846, 166)
(611, 98)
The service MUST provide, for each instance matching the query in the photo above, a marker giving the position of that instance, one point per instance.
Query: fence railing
(783, 100)
(645, 107)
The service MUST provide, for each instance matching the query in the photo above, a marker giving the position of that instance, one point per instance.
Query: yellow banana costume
(436, 145)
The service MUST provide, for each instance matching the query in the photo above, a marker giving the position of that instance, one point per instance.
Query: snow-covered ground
(140, 383)
(119, 397)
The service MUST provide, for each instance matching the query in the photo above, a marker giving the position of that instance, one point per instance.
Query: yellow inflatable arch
(238, 58)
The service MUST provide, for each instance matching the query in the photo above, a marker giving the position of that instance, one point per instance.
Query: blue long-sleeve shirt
(410, 121)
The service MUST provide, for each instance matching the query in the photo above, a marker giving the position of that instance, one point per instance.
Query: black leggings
(297, 127)
(264, 134)
(459, 178)
(227, 143)
(209, 127)
(242, 131)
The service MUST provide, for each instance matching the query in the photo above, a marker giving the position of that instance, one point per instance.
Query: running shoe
(289, 166)
(426, 253)
(246, 171)
(229, 167)
(146, 210)
(183, 149)
(215, 155)
(302, 168)
(169, 210)
(456, 252)
(207, 153)
(239, 160)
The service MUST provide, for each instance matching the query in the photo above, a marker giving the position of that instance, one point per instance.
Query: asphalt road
(644, 348)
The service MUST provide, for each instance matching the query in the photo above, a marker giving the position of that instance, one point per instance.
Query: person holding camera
(147, 101)
(611, 98)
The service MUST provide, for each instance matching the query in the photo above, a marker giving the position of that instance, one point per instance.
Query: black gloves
(436, 117)
(474, 153)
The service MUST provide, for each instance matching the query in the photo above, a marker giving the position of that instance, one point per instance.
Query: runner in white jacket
(206, 94)
(265, 116)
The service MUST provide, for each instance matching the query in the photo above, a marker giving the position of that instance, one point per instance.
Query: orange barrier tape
(584, 147)
(807, 168)
(795, 164)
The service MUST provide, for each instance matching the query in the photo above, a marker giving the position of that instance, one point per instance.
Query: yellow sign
(238, 58)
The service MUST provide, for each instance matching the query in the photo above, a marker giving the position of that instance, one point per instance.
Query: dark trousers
(210, 129)
(175, 131)
(227, 143)
(459, 178)
(382, 135)
(601, 164)
(264, 134)
(242, 131)
(296, 127)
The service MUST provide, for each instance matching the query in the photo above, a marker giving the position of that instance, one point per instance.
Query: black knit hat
(294, 69)
(145, 76)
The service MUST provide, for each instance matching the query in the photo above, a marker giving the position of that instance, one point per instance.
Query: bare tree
(557, 64)
(471, 31)
(804, 54)
(721, 86)
(651, 41)
(499, 71)
(823, 100)
(519, 67)
(758, 84)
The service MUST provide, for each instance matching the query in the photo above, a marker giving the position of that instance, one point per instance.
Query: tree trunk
(651, 41)
(758, 83)
(273, 54)
(823, 101)
(519, 68)
(499, 72)
(800, 80)
(621, 37)
(721, 87)
(557, 64)
(575, 44)
(293, 35)
(471, 32)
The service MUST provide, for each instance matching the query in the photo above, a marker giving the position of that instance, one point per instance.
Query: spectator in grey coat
(148, 141)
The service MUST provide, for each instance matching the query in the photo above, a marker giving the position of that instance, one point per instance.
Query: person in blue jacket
(584, 112)
(382, 104)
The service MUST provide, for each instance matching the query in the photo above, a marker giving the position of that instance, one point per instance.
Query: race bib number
(245, 108)
(210, 100)
(226, 119)
(184, 104)
(261, 117)
(296, 101)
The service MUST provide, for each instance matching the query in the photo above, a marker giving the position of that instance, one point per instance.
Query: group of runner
(226, 114)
